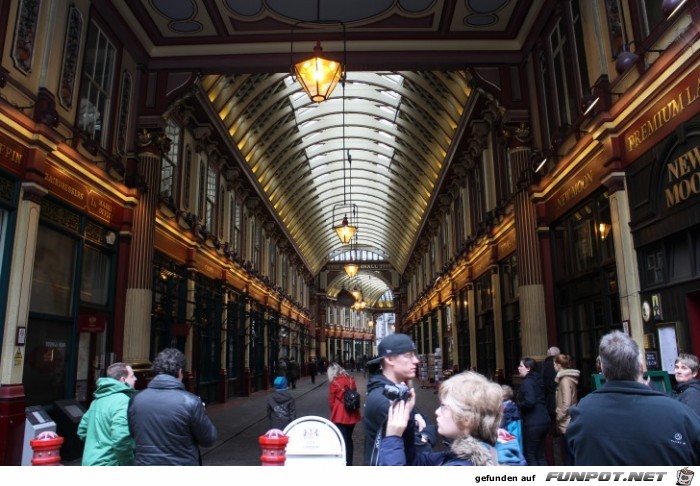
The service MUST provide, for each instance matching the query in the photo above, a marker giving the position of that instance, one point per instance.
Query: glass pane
(95, 277)
(53, 273)
(44, 373)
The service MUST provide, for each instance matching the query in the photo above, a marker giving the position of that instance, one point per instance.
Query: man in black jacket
(167, 422)
(625, 422)
(398, 360)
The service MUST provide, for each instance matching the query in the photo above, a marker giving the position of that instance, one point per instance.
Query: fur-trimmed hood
(568, 372)
(479, 453)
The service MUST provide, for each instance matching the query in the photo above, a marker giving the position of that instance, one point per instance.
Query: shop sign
(656, 122)
(100, 207)
(12, 155)
(62, 185)
(682, 177)
(92, 322)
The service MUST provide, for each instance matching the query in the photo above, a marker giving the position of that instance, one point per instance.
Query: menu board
(668, 347)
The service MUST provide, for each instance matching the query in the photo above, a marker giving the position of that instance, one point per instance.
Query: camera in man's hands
(397, 392)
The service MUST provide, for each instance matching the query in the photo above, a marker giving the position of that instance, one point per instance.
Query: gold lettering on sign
(683, 177)
(100, 207)
(663, 114)
(65, 187)
(10, 154)
(576, 188)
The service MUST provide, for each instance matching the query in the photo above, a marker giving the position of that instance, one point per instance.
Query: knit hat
(392, 345)
(280, 383)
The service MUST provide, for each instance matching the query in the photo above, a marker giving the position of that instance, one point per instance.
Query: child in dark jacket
(281, 407)
(511, 415)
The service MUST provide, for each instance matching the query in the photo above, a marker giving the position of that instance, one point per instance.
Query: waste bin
(37, 421)
(67, 415)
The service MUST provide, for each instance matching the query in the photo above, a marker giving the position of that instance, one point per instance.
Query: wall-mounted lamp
(603, 230)
(540, 162)
(588, 104)
(625, 59)
(672, 7)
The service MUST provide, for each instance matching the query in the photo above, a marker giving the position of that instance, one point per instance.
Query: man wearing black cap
(399, 362)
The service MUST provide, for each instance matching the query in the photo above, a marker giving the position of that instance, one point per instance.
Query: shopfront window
(52, 281)
(94, 288)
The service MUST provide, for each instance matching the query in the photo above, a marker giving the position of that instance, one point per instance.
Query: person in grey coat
(167, 422)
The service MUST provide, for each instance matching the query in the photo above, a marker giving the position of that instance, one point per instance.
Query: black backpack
(351, 399)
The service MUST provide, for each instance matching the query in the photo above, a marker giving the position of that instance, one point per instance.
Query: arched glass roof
(396, 126)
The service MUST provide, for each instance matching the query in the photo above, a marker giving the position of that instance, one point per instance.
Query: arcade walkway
(241, 421)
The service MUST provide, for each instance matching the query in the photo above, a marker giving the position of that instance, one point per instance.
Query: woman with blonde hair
(567, 397)
(339, 380)
(468, 416)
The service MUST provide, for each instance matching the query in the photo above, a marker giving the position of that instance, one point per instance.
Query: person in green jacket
(105, 426)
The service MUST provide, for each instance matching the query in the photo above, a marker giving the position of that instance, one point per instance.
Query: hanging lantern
(318, 76)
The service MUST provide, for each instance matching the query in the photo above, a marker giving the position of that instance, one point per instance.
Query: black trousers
(533, 443)
(346, 431)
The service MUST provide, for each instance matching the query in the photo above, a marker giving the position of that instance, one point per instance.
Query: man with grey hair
(626, 423)
(169, 423)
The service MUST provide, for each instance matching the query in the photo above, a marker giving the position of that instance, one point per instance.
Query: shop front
(666, 230)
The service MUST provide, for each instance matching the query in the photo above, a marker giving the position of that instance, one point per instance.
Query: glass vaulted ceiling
(397, 127)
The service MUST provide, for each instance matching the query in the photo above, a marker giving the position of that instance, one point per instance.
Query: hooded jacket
(105, 426)
(281, 409)
(374, 419)
(689, 393)
(169, 424)
(626, 423)
(465, 451)
(567, 396)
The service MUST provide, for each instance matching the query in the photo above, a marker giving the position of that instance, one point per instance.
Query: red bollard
(47, 447)
(274, 448)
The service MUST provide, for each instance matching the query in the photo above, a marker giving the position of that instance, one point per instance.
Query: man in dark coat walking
(167, 422)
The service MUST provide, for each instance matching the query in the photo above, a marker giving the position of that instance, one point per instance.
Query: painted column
(12, 397)
(533, 322)
(625, 256)
(137, 326)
